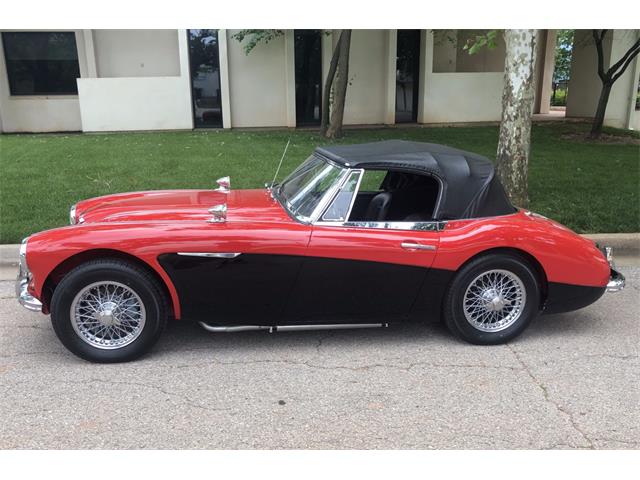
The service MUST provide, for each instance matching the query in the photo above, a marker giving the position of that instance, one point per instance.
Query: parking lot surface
(571, 381)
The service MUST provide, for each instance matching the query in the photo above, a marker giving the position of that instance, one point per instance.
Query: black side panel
(563, 297)
(249, 289)
(351, 291)
(429, 302)
(281, 289)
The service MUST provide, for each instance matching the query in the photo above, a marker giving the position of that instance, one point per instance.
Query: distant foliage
(487, 39)
(564, 50)
(254, 37)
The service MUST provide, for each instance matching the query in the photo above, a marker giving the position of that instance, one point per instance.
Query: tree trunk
(326, 94)
(514, 144)
(598, 120)
(340, 87)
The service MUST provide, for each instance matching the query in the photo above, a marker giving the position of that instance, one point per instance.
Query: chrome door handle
(416, 246)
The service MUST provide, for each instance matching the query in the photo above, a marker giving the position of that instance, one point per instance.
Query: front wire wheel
(109, 310)
(107, 315)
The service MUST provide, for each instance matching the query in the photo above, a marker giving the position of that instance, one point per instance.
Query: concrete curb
(623, 244)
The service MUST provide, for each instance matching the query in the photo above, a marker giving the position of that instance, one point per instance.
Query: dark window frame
(11, 81)
(196, 123)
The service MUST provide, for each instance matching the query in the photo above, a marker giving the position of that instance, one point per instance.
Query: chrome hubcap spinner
(107, 315)
(494, 300)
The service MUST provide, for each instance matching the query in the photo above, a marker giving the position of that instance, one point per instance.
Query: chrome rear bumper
(616, 279)
(25, 299)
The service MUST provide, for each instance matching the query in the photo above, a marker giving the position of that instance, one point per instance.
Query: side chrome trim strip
(210, 254)
(337, 326)
(419, 226)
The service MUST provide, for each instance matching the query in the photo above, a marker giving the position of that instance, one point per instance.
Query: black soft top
(468, 185)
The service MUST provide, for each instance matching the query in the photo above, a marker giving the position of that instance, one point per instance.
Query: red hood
(181, 205)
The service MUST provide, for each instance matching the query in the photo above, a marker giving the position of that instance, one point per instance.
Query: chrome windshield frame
(324, 201)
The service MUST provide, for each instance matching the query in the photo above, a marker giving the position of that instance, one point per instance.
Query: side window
(339, 208)
(395, 196)
(372, 180)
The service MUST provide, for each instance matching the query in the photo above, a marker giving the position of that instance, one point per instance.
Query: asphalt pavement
(571, 381)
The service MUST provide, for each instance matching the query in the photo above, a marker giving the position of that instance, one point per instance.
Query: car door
(355, 272)
(240, 273)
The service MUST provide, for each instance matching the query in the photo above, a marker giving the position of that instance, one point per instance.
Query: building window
(204, 59)
(41, 63)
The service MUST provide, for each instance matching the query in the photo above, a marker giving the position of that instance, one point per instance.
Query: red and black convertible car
(357, 236)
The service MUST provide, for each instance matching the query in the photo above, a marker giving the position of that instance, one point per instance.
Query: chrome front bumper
(25, 299)
(616, 279)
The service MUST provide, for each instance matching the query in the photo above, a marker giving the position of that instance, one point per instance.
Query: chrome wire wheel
(107, 315)
(494, 300)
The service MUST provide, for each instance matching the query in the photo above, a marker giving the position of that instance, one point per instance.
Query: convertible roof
(469, 187)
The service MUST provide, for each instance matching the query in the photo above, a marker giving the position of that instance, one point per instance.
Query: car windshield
(302, 191)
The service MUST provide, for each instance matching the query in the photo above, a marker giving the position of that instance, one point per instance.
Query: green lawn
(589, 187)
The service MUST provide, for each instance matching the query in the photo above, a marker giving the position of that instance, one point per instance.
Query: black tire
(454, 299)
(138, 280)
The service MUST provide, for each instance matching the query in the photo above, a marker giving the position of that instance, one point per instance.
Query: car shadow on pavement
(186, 335)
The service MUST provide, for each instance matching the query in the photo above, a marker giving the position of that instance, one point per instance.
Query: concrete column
(390, 57)
(185, 71)
(635, 76)
(90, 54)
(223, 56)
(289, 51)
(426, 69)
(544, 68)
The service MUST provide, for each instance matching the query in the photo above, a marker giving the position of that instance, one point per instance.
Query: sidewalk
(623, 244)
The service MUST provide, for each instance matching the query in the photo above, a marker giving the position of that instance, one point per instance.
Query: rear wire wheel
(492, 299)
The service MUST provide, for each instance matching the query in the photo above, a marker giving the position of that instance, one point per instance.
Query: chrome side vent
(219, 213)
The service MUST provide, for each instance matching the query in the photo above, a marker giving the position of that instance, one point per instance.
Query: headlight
(72, 215)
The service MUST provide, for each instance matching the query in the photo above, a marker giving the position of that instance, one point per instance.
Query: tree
(514, 141)
(335, 88)
(608, 77)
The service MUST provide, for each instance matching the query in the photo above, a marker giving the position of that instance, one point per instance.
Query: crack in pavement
(321, 340)
(406, 368)
(547, 397)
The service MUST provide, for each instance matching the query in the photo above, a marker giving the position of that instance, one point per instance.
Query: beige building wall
(258, 83)
(136, 53)
(367, 92)
(41, 113)
(141, 81)
(452, 96)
